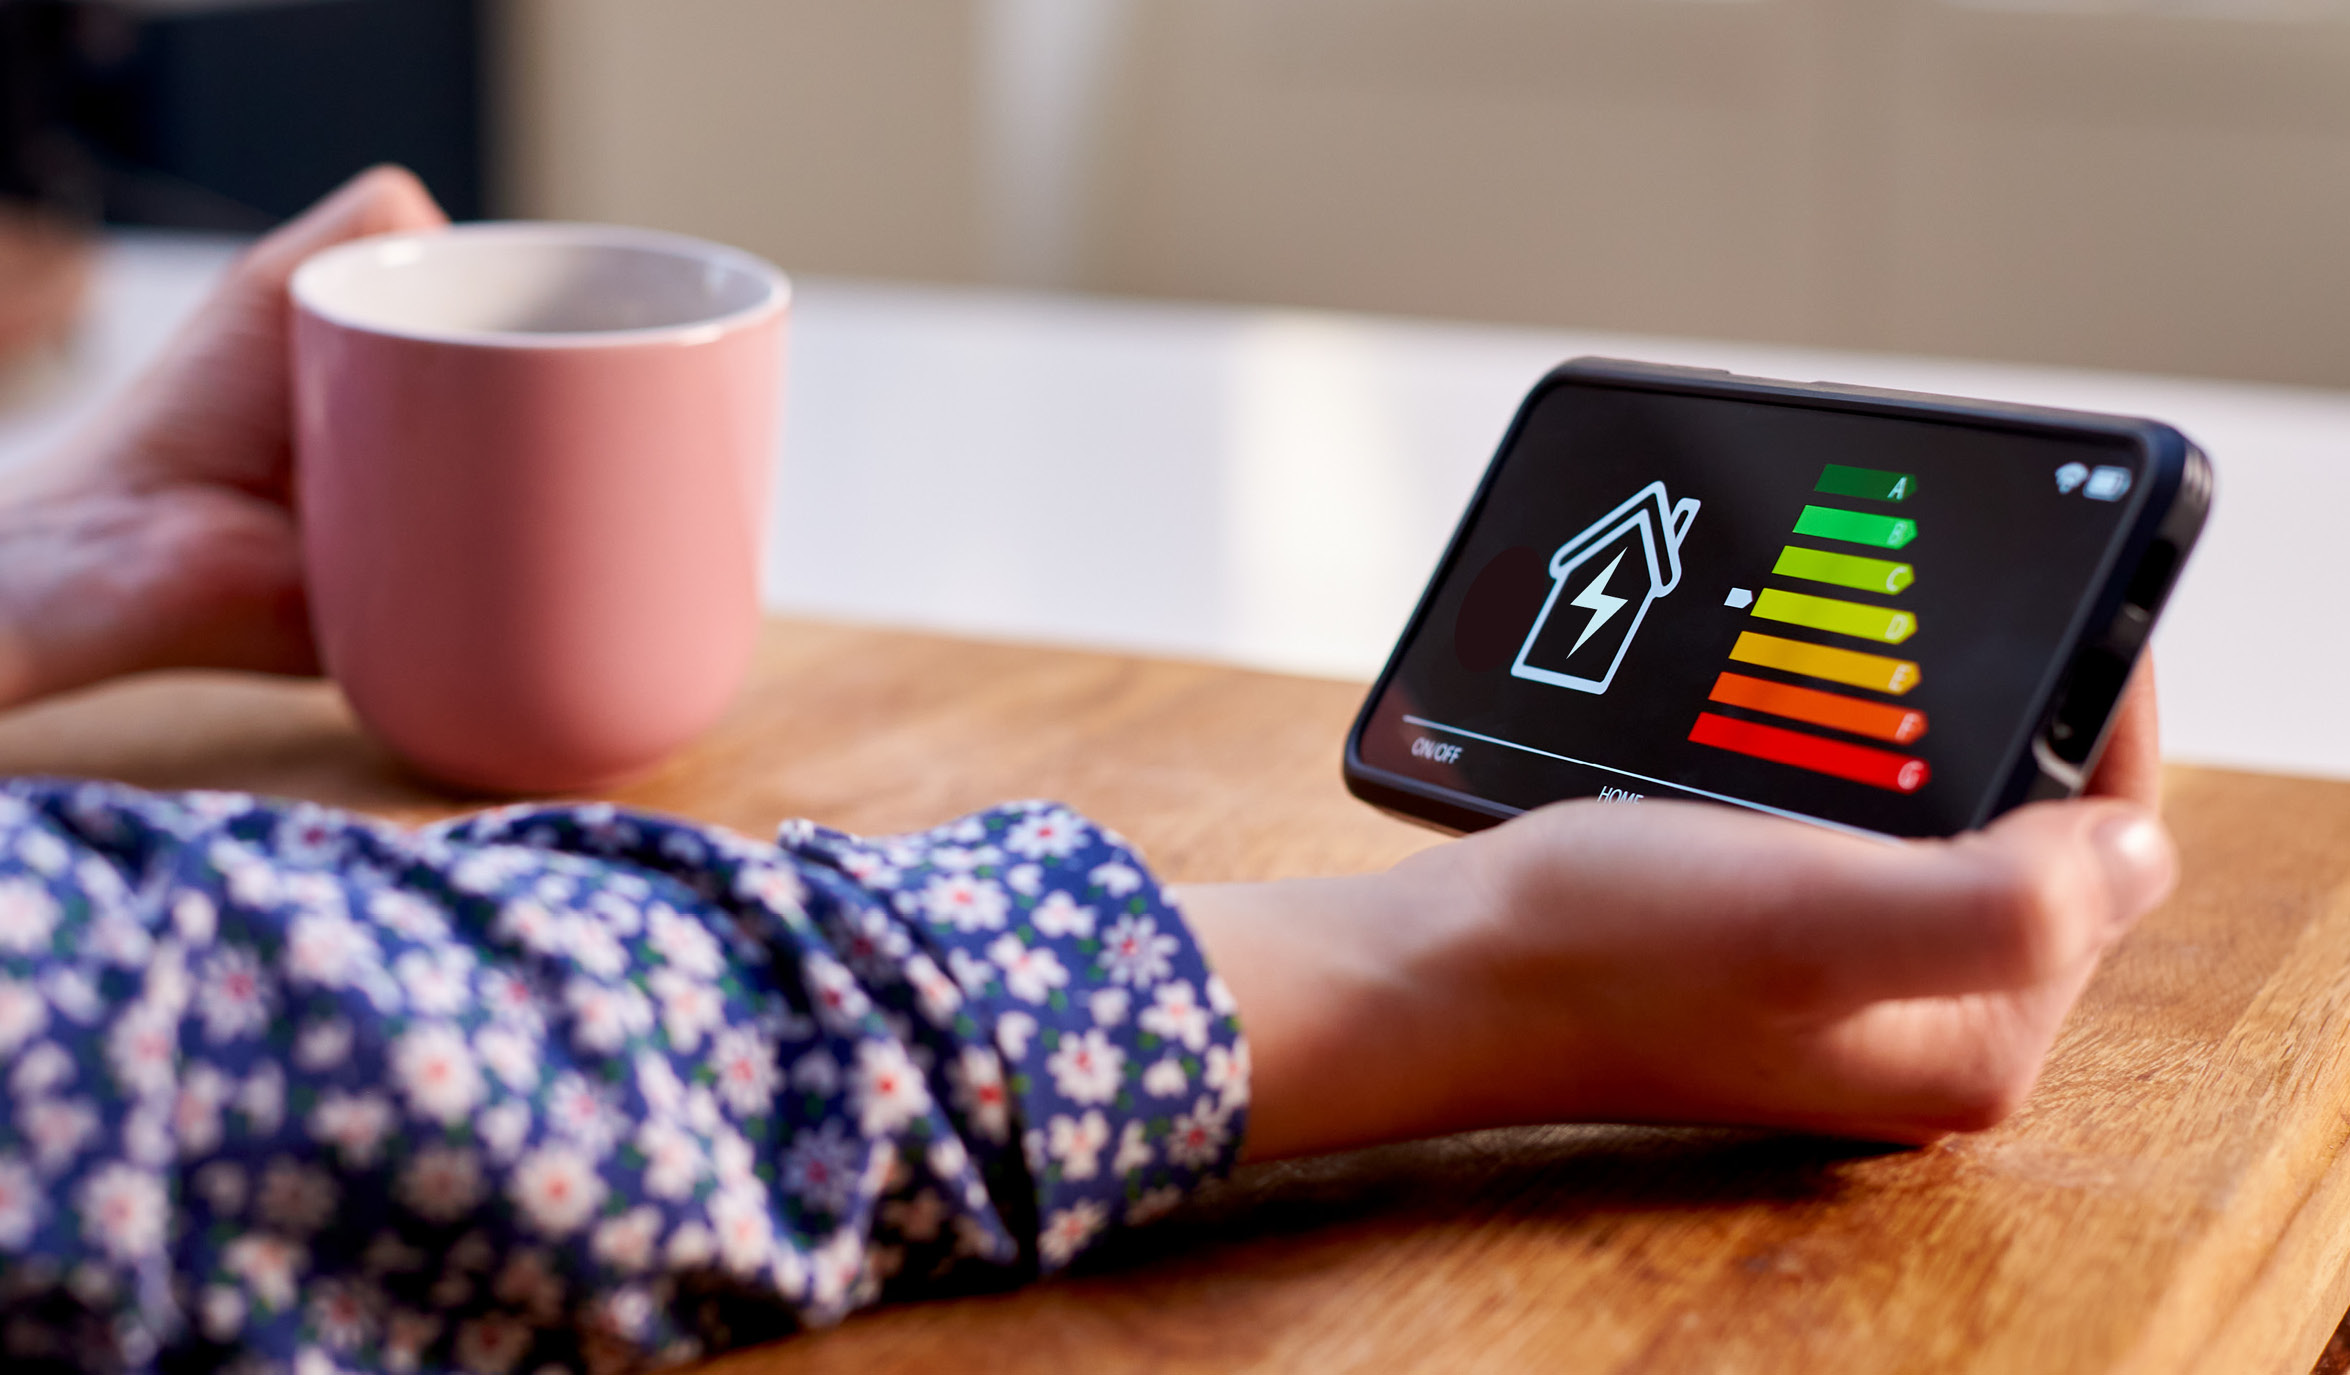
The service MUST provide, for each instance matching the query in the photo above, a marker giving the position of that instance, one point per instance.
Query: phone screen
(1846, 618)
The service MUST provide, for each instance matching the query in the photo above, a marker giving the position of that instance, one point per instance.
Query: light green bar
(1844, 570)
(1859, 527)
(1879, 623)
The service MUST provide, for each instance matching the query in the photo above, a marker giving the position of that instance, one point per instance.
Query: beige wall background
(2161, 185)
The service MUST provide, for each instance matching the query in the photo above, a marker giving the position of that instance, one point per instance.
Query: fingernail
(2139, 862)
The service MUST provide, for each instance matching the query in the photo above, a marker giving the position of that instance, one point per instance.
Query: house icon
(1645, 531)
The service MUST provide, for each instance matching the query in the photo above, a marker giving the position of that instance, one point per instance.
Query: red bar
(1860, 763)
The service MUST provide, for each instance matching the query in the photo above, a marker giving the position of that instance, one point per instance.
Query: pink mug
(532, 466)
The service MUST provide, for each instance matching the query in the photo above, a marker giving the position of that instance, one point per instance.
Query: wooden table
(2174, 1198)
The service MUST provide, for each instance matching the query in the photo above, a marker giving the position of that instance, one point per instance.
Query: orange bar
(1877, 720)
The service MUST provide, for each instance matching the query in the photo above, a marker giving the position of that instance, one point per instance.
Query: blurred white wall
(2148, 184)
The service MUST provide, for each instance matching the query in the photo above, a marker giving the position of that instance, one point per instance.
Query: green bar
(1880, 623)
(1844, 570)
(1858, 527)
(1873, 483)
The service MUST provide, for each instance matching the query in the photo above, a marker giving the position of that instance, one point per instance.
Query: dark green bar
(1867, 482)
(1859, 527)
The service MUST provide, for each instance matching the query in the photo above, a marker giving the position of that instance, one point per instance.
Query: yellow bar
(1875, 672)
(1857, 619)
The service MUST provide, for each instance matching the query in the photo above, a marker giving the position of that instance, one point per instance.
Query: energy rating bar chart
(1878, 768)
(1878, 720)
(1856, 527)
(1857, 619)
(1843, 570)
(1872, 483)
(1876, 672)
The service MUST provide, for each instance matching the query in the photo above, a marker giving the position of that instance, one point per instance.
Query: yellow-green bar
(1844, 570)
(1844, 618)
(1859, 527)
(1875, 672)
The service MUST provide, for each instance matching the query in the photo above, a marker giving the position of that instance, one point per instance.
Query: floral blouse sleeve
(287, 1089)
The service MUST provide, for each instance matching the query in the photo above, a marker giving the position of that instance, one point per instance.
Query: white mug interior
(537, 284)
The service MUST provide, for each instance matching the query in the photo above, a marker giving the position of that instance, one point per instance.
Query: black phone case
(2057, 749)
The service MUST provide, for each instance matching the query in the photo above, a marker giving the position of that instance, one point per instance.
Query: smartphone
(1876, 611)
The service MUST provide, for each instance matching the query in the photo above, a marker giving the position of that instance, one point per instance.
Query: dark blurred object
(48, 192)
(233, 116)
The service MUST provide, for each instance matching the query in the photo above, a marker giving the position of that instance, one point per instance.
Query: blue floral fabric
(285, 1089)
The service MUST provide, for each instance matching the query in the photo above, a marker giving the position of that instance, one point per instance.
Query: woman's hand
(1675, 962)
(166, 538)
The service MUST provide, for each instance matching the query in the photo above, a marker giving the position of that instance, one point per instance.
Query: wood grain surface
(2173, 1199)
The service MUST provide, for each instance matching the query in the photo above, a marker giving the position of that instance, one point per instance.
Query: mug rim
(307, 284)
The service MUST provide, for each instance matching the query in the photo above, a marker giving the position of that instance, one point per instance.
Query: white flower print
(146, 1133)
(490, 868)
(557, 1190)
(744, 1228)
(221, 1184)
(510, 1055)
(604, 1016)
(869, 869)
(970, 971)
(221, 1313)
(1134, 1151)
(71, 994)
(1067, 1231)
(510, 999)
(581, 1113)
(123, 1210)
(329, 949)
(235, 1001)
(620, 915)
(142, 1049)
(343, 1313)
(120, 940)
(44, 1068)
(405, 914)
(689, 1007)
(1059, 916)
(504, 1128)
(251, 882)
(195, 1114)
(1054, 834)
(629, 1242)
(1228, 1073)
(1108, 1006)
(269, 1266)
(530, 924)
(492, 1345)
(24, 1014)
(438, 982)
(772, 886)
(744, 1062)
(1077, 1143)
(195, 918)
(323, 1044)
(1220, 999)
(1198, 1136)
(691, 1247)
(886, 1090)
(1117, 878)
(355, 1124)
(22, 1204)
(965, 902)
(1024, 879)
(1166, 1078)
(308, 836)
(673, 1160)
(1087, 1068)
(684, 941)
(935, 993)
(977, 1077)
(593, 947)
(816, 1072)
(1135, 952)
(43, 852)
(835, 1269)
(663, 1091)
(1031, 973)
(296, 1198)
(28, 916)
(1176, 1015)
(1013, 1031)
(262, 1099)
(436, 1070)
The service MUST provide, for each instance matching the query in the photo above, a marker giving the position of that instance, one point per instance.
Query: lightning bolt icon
(1595, 600)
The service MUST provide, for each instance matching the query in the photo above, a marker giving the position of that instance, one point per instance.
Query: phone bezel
(2058, 742)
